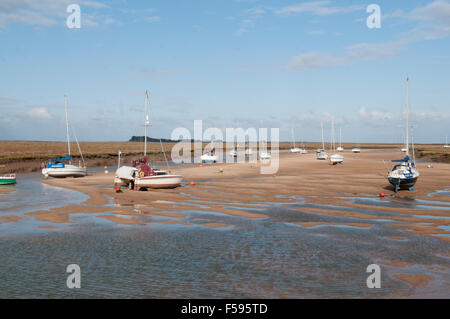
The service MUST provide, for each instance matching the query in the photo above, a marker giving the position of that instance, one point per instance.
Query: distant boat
(209, 158)
(340, 148)
(335, 158)
(356, 150)
(446, 143)
(265, 156)
(404, 175)
(321, 154)
(294, 149)
(233, 153)
(141, 175)
(248, 152)
(8, 179)
(58, 168)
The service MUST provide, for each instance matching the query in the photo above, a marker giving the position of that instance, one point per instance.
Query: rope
(164, 152)
(79, 148)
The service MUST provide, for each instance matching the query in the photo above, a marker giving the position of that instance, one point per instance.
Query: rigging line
(164, 152)
(78, 144)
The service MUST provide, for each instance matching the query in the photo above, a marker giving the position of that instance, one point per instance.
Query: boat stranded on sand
(404, 175)
(8, 179)
(57, 167)
(140, 175)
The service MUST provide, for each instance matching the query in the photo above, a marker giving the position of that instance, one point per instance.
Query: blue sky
(229, 63)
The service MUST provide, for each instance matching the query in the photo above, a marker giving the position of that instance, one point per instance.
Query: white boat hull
(296, 150)
(64, 172)
(154, 182)
(208, 158)
(337, 159)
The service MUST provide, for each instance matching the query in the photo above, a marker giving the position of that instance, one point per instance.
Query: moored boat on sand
(8, 179)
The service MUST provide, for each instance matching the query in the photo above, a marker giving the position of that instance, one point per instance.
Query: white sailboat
(294, 149)
(321, 154)
(209, 157)
(340, 148)
(335, 158)
(446, 143)
(404, 175)
(141, 175)
(62, 167)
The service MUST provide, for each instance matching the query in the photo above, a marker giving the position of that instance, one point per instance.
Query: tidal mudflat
(310, 230)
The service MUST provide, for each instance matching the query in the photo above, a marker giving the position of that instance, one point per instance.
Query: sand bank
(239, 190)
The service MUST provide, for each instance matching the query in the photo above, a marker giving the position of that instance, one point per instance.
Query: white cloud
(43, 12)
(151, 19)
(434, 20)
(375, 114)
(310, 61)
(39, 113)
(321, 8)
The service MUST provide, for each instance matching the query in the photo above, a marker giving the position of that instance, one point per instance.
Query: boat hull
(64, 172)
(7, 181)
(337, 159)
(155, 182)
(403, 183)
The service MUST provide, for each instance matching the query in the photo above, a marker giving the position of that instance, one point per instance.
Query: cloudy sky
(231, 63)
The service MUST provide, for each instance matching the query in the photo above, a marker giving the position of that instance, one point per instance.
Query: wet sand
(6, 190)
(415, 280)
(240, 190)
(332, 196)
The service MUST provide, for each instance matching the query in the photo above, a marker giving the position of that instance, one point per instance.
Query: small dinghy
(8, 179)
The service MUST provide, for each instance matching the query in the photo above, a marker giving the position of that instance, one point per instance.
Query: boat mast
(333, 139)
(67, 124)
(340, 137)
(407, 116)
(293, 137)
(323, 141)
(147, 123)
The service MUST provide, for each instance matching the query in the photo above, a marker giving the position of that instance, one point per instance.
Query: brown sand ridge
(234, 189)
(10, 219)
(6, 190)
(416, 281)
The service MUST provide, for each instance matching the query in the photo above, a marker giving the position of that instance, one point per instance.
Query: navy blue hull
(403, 183)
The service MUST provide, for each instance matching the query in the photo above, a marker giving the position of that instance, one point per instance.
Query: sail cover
(405, 160)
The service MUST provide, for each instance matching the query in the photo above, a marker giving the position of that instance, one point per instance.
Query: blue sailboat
(404, 174)
(62, 167)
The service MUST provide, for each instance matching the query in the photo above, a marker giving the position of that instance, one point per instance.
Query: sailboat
(141, 175)
(57, 167)
(446, 143)
(404, 174)
(340, 148)
(209, 157)
(321, 154)
(335, 158)
(294, 149)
